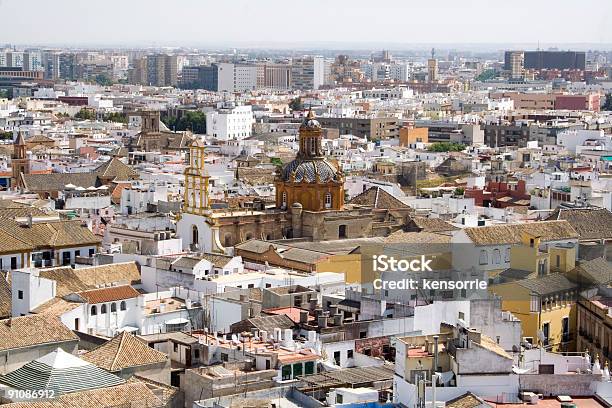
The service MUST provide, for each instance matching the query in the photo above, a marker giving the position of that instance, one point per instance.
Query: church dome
(307, 171)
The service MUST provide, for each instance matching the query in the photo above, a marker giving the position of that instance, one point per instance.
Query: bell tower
(196, 181)
(20, 163)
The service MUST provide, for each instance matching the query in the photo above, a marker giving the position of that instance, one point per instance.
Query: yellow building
(310, 180)
(411, 136)
(544, 300)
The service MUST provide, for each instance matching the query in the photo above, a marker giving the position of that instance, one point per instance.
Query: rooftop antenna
(433, 53)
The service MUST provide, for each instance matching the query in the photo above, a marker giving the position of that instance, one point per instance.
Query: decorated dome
(307, 171)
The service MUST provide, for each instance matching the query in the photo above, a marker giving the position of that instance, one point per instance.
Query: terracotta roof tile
(27, 331)
(123, 351)
(111, 294)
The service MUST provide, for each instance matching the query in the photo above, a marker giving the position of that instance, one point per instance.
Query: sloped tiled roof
(32, 330)
(111, 294)
(70, 280)
(467, 400)
(433, 224)
(511, 233)
(58, 181)
(590, 223)
(597, 270)
(131, 394)
(116, 169)
(377, 198)
(5, 295)
(545, 285)
(123, 351)
(60, 233)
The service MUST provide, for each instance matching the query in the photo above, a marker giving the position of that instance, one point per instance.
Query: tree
(446, 147)
(6, 135)
(103, 79)
(486, 75)
(459, 191)
(608, 104)
(190, 120)
(296, 104)
(118, 117)
(85, 114)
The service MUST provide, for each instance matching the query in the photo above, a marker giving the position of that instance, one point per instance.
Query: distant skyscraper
(155, 70)
(308, 73)
(549, 60)
(517, 64)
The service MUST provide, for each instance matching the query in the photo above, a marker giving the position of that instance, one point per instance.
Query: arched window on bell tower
(194, 235)
(284, 200)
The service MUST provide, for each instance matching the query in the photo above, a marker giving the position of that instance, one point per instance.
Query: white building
(230, 122)
(236, 77)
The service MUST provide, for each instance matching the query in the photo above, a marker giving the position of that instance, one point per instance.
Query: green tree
(296, 104)
(486, 75)
(118, 117)
(103, 79)
(459, 191)
(608, 104)
(446, 147)
(190, 120)
(5, 135)
(85, 114)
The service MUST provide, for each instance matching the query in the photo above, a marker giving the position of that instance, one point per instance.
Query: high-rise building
(277, 76)
(517, 64)
(154, 70)
(162, 70)
(230, 122)
(308, 73)
(32, 60)
(549, 60)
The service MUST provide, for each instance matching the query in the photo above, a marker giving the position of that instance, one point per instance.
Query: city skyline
(340, 24)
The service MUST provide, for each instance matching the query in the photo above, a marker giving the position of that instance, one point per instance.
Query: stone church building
(310, 203)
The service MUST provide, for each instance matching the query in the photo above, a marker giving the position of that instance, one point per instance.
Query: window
(349, 353)
(94, 310)
(363, 335)
(92, 252)
(20, 294)
(298, 369)
(309, 367)
(176, 347)
(285, 372)
(337, 358)
(496, 256)
(14, 262)
(77, 253)
(103, 309)
(284, 201)
(558, 261)
(268, 365)
(545, 333)
(225, 357)
(113, 307)
(194, 235)
(328, 200)
(565, 335)
(122, 305)
(342, 231)
(483, 259)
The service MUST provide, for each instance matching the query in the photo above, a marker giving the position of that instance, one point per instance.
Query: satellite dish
(541, 335)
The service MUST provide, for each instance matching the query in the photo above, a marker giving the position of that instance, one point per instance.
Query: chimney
(30, 220)
(322, 321)
(338, 319)
(303, 316)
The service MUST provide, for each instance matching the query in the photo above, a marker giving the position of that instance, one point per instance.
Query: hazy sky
(248, 22)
